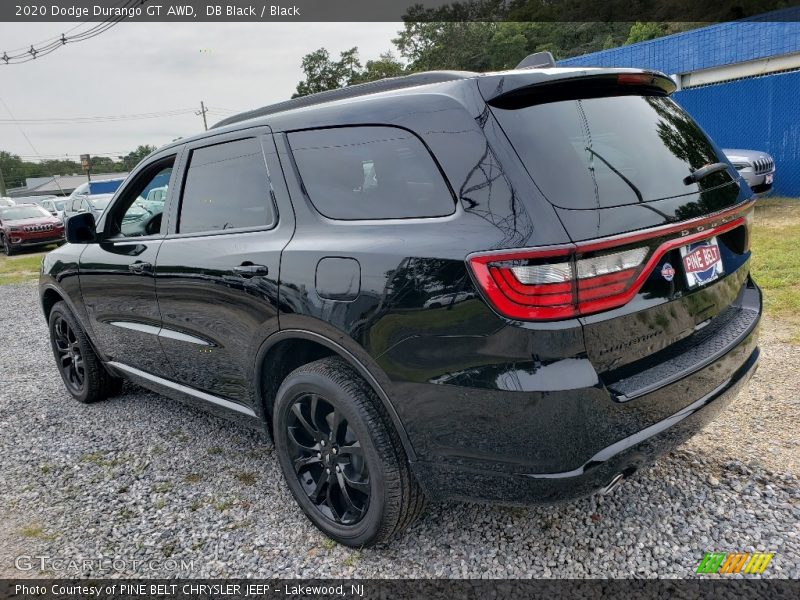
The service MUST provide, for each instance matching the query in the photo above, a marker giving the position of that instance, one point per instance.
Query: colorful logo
(668, 271)
(734, 562)
(701, 260)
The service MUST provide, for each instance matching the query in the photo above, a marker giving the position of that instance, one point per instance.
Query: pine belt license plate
(702, 262)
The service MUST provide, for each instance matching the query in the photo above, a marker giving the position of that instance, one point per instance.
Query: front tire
(341, 456)
(83, 373)
(7, 249)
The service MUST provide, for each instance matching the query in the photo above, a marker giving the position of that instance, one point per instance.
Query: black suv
(512, 287)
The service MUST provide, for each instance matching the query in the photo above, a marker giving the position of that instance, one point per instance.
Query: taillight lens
(570, 280)
(548, 286)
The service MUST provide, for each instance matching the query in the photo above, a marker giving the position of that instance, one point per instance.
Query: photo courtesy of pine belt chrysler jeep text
(512, 287)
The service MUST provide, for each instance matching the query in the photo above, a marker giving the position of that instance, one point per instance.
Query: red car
(27, 226)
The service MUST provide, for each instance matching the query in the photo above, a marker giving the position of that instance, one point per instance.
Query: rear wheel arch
(285, 351)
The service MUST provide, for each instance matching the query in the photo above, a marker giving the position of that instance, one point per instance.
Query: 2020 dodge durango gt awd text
(586, 244)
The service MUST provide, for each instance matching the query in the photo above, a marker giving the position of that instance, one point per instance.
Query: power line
(30, 143)
(101, 118)
(41, 49)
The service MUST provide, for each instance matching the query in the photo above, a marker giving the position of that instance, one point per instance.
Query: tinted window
(610, 151)
(226, 188)
(370, 173)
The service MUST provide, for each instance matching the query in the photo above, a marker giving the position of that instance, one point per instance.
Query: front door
(117, 273)
(217, 270)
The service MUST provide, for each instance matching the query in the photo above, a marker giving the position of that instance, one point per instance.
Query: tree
(641, 32)
(386, 66)
(322, 73)
(130, 160)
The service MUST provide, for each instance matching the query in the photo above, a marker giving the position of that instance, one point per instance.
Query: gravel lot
(144, 478)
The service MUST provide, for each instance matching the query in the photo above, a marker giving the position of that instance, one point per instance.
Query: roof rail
(352, 91)
(537, 60)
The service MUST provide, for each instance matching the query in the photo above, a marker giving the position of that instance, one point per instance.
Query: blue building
(740, 81)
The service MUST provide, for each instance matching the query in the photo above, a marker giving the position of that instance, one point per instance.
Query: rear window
(227, 187)
(370, 173)
(603, 152)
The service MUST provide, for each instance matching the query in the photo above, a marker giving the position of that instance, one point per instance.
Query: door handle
(248, 270)
(140, 267)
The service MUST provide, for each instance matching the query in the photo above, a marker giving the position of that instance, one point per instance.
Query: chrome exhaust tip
(613, 484)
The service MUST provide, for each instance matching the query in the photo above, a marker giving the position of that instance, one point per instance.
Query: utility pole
(2, 184)
(203, 111)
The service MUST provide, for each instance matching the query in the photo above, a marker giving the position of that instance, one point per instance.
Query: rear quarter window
(370, 172)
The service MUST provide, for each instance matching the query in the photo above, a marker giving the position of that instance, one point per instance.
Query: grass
(16, 269)
(36, 531)
(776, 259)
(246, 478)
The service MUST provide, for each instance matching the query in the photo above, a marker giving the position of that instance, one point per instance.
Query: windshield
(603, 152)
(23, 212)
(59, 204)
(100, 203)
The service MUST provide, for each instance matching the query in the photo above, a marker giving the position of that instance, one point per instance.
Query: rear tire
(83, 373)
(341, 456)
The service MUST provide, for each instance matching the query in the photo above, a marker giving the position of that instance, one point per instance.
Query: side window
(226, 187)
(138, 211)
(370, 173)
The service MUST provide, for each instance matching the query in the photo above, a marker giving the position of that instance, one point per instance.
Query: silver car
(91, 197)
(757, 168)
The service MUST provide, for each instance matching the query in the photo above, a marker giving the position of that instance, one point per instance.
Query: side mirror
(81, 229)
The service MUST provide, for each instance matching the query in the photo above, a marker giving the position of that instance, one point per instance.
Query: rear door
(217, 272)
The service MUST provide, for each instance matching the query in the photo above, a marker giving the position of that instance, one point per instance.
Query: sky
(137, 68)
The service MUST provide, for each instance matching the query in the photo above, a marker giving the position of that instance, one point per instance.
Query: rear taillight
(548, 285)
(571, 280)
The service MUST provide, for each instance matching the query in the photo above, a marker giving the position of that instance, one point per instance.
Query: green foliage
(641, 32)
(323, 73)
(16, 171)
(130, 160)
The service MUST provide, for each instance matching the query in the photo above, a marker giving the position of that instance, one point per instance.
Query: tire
(371, 508)
(9, 251)
(83, 373)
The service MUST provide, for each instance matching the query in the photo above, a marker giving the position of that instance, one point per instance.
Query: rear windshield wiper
(618, 173)
(704, 171)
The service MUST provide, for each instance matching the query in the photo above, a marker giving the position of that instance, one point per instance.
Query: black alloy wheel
(69, 358)
(83, 373)
(328, 459)
(341, 456)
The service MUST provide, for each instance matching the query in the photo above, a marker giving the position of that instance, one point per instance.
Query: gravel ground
(148, 479)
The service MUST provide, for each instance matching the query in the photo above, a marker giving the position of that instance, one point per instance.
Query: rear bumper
(623, 457)
(575, 451)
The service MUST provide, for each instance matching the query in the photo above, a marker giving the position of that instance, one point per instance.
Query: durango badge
(668, 271)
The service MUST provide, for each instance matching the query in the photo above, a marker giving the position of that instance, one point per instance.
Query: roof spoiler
(537, 60)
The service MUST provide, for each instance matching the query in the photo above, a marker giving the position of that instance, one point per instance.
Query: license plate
(702, 262)
(768, 178)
